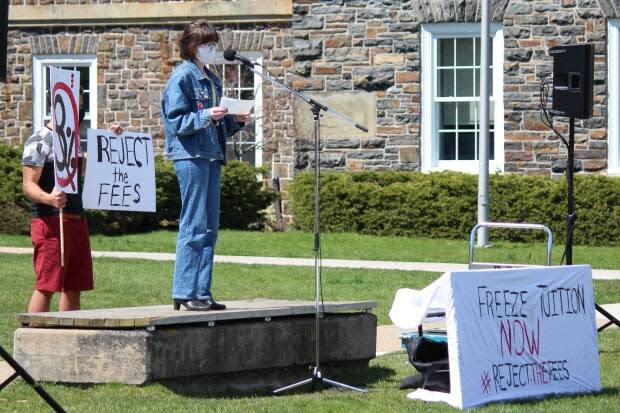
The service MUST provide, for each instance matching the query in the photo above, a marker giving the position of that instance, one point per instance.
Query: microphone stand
(316, 376)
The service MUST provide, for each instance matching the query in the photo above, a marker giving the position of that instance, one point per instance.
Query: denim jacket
(190, 131)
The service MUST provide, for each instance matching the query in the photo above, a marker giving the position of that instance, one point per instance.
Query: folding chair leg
(20, 371)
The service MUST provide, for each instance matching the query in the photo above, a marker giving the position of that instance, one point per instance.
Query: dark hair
(196, 33)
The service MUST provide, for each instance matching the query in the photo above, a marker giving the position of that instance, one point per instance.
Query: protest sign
(120, 172)
(64, 94)
(513, 333)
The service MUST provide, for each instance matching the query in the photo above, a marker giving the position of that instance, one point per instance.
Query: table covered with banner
(511, 333)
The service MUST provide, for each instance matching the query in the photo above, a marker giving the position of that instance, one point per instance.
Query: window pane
(477, 84)
(241, 152)
(477, 51)
(249, 156)
(230, 151)
(46, 92)
(445, 88)
(84, 126)
(491, 145)
(446, 52)
(218, 70)
(247, 77)
(84, 83)
(467, 146)
(464, 52)
(447, 115)
(246, 135)
(447, 146)
(247, 94)
(467, 114)
(231, 77)
(465, 82)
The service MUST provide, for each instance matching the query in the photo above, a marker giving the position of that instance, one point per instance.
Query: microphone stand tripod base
(318, 383)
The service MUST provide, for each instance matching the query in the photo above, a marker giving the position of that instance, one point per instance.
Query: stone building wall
(336, 47)
(133, 65)
(530, 29)
(347, 47)
(49, 2)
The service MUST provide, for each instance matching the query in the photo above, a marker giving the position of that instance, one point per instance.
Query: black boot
(190, 305)
(212, 304)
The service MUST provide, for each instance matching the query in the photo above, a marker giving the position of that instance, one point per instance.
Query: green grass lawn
(352, 246)
(136, 282)
(124, 283)
(381, 379)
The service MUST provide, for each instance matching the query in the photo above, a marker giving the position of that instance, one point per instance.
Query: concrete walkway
(303, 262)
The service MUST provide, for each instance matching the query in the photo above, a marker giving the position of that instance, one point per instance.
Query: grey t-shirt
(39, 152)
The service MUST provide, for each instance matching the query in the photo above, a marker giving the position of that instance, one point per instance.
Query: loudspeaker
(573, 80)
(4, 32)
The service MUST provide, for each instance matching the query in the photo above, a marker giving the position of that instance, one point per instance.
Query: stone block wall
(49, 2)
(336, 46)
(531, 28)
(132, 68)
(133, 65)
(344, 46)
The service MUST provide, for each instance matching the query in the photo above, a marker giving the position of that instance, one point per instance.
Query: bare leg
(69, 301)
(40, 301)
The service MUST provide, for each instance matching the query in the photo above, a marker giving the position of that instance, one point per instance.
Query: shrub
(243, 200)
(444, 205)
(14, 206)
(167, 207)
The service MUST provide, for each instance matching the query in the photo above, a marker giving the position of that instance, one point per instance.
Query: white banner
(65, 109)
(120, 172)
(512, 333)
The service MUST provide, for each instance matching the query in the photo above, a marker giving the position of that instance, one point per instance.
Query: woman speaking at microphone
(196, 129)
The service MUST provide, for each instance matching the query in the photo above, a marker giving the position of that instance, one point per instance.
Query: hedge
(14, 207)
(444, 204)
(243, 200)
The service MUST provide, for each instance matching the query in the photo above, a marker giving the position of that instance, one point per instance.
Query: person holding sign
(196, 128)
(76, 274)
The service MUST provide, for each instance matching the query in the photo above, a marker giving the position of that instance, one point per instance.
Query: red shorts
(77, 273)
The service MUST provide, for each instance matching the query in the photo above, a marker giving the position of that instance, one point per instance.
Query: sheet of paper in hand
(237, 106)
(65, 108)
(120, 172)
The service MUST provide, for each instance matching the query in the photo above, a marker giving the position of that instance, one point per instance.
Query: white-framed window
(451, 95)
(86, 65)
(613, 100)
(240, 82)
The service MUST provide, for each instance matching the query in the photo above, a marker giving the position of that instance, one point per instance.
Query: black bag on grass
(430, 358)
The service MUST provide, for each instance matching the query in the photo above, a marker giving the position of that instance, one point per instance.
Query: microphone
(230, 54)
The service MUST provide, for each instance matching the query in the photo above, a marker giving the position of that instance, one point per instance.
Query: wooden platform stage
(253, 344)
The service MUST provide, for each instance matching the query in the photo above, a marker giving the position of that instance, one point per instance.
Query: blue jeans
(199, 181)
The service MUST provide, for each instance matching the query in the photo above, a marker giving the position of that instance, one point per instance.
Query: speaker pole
(571, 217)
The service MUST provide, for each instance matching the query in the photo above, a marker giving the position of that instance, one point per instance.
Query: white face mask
(206, 54)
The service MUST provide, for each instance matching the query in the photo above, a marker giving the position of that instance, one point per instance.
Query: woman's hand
(217, 112)
(244, 118)
(116, 129)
